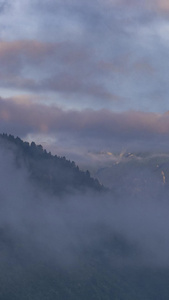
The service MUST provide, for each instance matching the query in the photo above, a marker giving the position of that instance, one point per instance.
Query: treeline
(52, 172)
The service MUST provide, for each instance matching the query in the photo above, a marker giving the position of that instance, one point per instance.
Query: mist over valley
(63, 235)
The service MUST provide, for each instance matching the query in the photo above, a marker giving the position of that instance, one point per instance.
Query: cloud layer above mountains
(85, 130)
(104, 54)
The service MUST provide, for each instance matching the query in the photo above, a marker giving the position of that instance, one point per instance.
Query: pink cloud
(161, 6)
(101, 124)
(58, 67)
(30, 48)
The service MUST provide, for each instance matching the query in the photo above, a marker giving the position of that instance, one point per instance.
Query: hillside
(64, 236)
(53, 173)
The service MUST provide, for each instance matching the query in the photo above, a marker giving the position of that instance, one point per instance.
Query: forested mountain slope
(60, 240)
(53, 173)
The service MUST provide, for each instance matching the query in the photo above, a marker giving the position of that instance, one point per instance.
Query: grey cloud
(104, 49)
(102, 128)
(3, 6)
(58, 67)
(59, 231)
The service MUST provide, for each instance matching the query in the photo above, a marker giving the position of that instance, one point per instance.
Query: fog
(38, 227)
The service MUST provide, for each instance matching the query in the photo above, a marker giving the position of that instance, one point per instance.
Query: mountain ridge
(54, 173)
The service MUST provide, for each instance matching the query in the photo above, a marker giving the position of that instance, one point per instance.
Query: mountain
(53, 173)
(64, 236)
(134, 173)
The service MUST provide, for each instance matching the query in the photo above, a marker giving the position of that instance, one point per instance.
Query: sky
(83, 77)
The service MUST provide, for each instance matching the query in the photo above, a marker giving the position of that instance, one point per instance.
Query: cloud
(60, 231)
(161, 5)
(99, 54)
(101, 129)
(158, 5)
(57, 67)
(69, 70)
(14, 55)
(3, 6)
